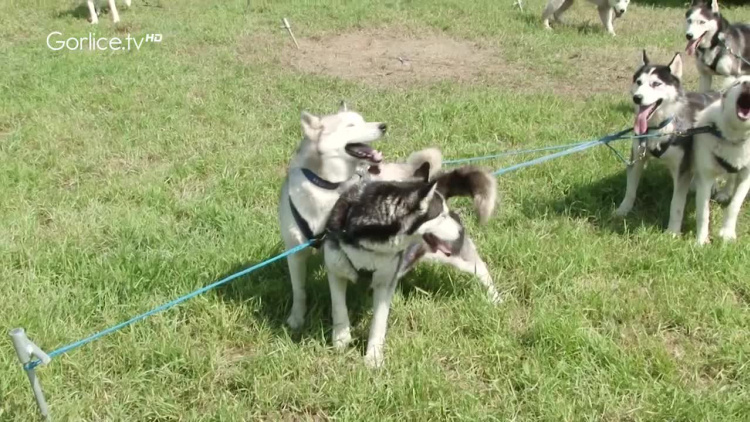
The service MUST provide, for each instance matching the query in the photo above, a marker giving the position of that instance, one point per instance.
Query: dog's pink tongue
(640, 126)
(444, 248)
(692, 44)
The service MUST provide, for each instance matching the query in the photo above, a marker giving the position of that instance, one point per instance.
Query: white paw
(728, 235)
(612, 32)
(622, 211)
(701, 241)
(296, 320)
(341, 338)
(374, 359)
(546, 25)
(494, 296)
(674, 233)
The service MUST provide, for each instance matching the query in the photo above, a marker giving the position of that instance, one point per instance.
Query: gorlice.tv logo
(56, 41)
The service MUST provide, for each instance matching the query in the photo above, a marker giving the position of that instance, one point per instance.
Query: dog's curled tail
(431, 158)
(471, 182)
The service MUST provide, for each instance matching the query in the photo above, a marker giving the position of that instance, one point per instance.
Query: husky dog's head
(431, 219)
(735, 105)
(619, 6)
(702, 22)
(655, 89)
(344, 135)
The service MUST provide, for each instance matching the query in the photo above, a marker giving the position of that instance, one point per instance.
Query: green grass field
(128, 178)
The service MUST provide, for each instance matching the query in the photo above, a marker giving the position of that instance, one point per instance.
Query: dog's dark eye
(638, 82)
(350, 125)
(655, 84)
(701, 22)
(689, 21)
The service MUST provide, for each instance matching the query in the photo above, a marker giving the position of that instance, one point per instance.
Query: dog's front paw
(546, 25)
(342, 338)
(295, 321)
(702, 241)
(374, 359)
(494, 296)
(674, 233)
(622, 211)
(728, 235)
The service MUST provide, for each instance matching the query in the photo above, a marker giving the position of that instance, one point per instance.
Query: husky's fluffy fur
(706, 32)
(658, 96)
(332, 148)
(609, 10)
(722, 153)
(464, 181)
(112, 9)
(376, 226)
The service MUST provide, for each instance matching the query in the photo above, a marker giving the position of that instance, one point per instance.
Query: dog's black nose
(622, 11)
(689, 37)
(383, 127)
(637, 99)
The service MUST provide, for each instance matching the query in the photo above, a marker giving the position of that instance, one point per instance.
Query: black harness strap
(317, 240)
(725, 164)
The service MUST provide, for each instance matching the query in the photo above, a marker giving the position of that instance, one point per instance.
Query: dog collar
(663, 124)
(319, 181)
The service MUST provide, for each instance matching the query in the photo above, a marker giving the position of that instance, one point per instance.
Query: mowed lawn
(130, 178)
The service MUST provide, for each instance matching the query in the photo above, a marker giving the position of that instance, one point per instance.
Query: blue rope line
(510, 153)
(581, 147)
(71, 346)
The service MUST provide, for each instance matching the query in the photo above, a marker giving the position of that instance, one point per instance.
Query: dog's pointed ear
(675, 66)
(311, 126)
(426, 193)
(644, 58)
(715, 6)
(343, 107)
(423, 172)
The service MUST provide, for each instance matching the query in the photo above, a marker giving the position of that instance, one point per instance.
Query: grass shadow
(596, 202)
(79, 12)
(268, 292)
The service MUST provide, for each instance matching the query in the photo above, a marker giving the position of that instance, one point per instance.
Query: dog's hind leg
(607, 15)
(634, 172)
(550, 10)
(729, 227)
(113, 11)
(565, 6)
(127, 3)
(702, 209)
(92, 11)
(679, 196)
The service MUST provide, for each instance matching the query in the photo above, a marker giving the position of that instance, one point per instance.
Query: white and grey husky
(663, 107)
(725, 151)
(718, 46)
(112, 9)
(334, 149)
(608, 11)
(383, 228)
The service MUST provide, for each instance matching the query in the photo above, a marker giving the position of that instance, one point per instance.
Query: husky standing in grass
(725, 151)
(608, 11)
(662, 106)
(331, 150)
(718, 46)
(377, 227)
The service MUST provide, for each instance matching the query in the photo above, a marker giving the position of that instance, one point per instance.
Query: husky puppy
(663, 107)
(609, 10)
(725, 151)
(373, 227)
(332, 148)
(112, 9)
(425, 165)
(715, 43)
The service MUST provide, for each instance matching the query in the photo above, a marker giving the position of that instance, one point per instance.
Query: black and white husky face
(735, 104)
(702, 22)
(655, 89)
(619, 6)
(343, 135)
(432, 220)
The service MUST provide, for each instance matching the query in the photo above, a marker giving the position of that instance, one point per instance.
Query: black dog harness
(729, 168)
(303, 225)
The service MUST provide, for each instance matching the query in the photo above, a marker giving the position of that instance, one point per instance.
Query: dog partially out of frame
(609, 10)
(663, 107)
(376, 226)
(719, 47)
(332, 149)
(112, 9)
(725, 151)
